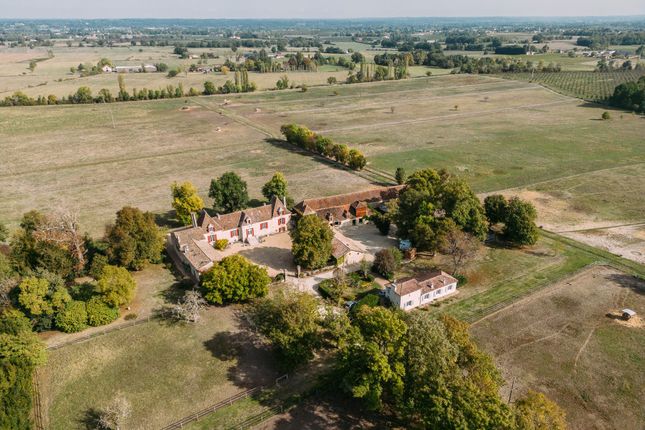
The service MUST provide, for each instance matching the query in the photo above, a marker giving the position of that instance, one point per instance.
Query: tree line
(630, 96)
(55, 277)
(306, 139)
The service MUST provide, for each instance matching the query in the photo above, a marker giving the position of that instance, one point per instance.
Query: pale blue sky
(312, 9)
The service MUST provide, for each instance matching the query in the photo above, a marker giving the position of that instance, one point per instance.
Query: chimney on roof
(217, 215)
(193, 218)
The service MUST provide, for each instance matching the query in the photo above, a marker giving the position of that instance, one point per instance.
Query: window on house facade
(426, 296)
(408, 303)
(212, 238)
(233, 233)
(264, 226)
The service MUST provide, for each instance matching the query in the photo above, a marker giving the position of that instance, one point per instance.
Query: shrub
(100, 313)
(605, 116)
(221, 244)
(131, 316)
(462, 279)
(371, 300)
(99, 261)
(332, 289)
(387, 261)
(116, 285)
(73, 317)
(234, 279)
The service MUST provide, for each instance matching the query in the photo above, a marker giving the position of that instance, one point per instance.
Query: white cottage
(410, 293)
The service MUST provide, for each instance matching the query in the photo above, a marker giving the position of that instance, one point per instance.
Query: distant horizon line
(327, 18)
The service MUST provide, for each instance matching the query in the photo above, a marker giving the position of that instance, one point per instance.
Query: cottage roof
(345, 200)
(425, 282)
(240, 218)
(338, 248)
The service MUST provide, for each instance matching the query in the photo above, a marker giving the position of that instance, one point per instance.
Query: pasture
(497, 134)
(166, 370)
(53, 76)
(566, 341)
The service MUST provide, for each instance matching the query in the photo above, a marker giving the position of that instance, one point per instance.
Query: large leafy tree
(134, 239)
(20, 353)
(185, 201)
(430, 201)
(311, 242)
(276, 187)
(535, 411)
(291, 322)
(234, 279)
(519, 223)
(37, 247)
(496, 207)
(370, 363)
(229, 193)
(450, 383)
(116, 286)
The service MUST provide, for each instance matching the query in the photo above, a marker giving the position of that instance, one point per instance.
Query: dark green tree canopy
(519, 224)
(430, 199)
(311, 242)
(291, 321)
(134, 239)
(495, 206)
(229, 193)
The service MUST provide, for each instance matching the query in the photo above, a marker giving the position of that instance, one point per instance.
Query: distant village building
(410, 293)
(107, 69)
(347, 208)
(195, 244)
(149, 68)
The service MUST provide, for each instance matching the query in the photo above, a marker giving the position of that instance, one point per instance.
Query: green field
(495, 133)
(166, 370)
(594, 86)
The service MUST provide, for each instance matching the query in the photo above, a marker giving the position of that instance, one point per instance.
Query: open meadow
(167, 370)
(498, 134)
(568, 342)
(52, 73)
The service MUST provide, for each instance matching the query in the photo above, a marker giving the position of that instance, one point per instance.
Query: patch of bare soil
(560, 216)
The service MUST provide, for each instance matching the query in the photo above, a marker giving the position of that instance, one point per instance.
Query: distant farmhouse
(148, 68)
(347, 208)
(410, 293)
(195, 243)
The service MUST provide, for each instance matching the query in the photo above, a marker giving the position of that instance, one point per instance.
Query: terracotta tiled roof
(237, 219)
(426, 282)
(338, 248)
(368, 196)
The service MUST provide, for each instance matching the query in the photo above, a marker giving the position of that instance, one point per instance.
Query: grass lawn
(167, 371)
(563, 342)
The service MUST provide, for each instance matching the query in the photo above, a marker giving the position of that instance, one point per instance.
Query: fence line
(483, 313)
(102, 332)
(257, 419)
(37, 408)
(212, 408)
(223, 403)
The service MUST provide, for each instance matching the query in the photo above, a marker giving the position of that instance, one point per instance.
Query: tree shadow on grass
(328, 410)
(628, 281)
(90, 419)
(255, 363)
(167, 219)
(283, 144)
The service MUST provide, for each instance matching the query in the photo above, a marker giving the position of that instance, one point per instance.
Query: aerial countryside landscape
(350, 215)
